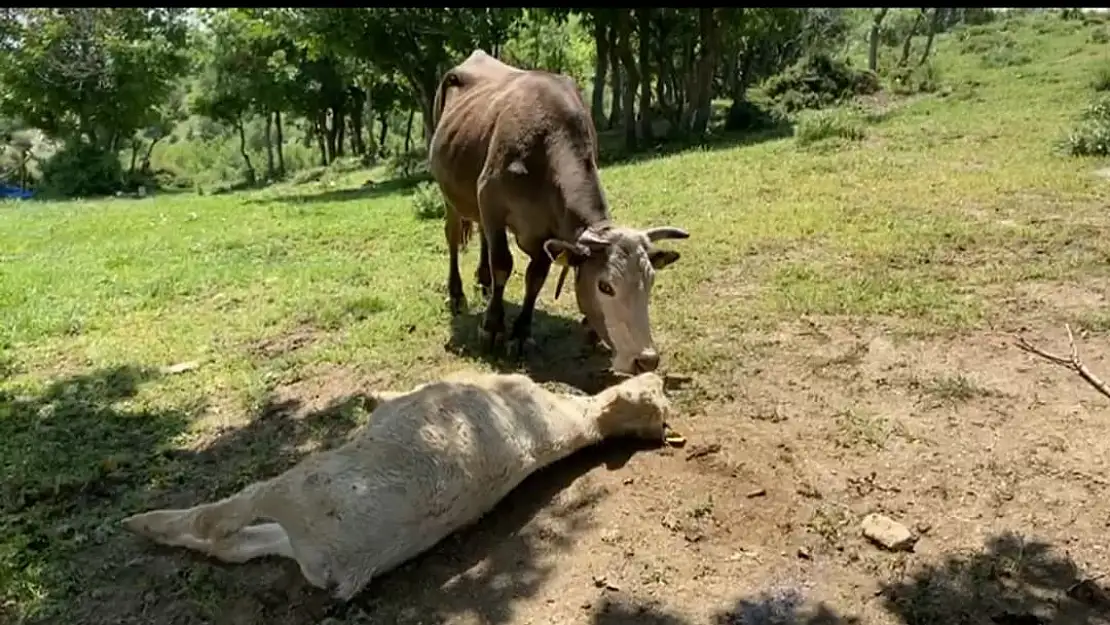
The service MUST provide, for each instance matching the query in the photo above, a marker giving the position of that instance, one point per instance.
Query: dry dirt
(994, 459)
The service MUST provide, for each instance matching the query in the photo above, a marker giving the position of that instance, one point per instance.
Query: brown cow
(516, 149)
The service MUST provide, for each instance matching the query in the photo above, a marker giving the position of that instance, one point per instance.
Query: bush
(1101, 81)
(1092, 136)
(82, 170)
(818, 81)
(1099, 36)
(747, 116)
(427, 201)
(918, 79)
(820, 125)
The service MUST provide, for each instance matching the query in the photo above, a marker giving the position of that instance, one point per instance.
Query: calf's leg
(536, 274)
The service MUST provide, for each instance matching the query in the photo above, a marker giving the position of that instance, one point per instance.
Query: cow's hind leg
(534, 277)
(483, 273)
(453, 230)
(501, 266)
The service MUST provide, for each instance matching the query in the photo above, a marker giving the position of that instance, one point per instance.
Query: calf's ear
(662, 258)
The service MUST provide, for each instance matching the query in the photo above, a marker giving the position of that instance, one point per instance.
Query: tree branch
(1073, 362)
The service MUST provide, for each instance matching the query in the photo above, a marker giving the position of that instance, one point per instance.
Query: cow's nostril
(647, 362)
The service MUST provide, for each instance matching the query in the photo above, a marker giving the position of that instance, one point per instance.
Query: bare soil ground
(994, 459)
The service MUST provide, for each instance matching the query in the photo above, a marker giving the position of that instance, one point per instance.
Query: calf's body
(430, 462)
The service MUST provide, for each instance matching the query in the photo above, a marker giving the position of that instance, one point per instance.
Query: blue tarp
(10, 192)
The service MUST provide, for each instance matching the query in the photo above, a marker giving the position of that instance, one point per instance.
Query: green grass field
(944, 205)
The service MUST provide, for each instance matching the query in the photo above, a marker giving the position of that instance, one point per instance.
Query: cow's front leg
(534, 277)
(501, 266)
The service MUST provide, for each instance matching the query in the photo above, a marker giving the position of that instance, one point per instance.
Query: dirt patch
(994, 460)
(284, 343)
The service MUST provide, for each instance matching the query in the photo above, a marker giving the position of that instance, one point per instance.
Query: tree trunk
(616, 78)
(873, 43)
(909, 39)
(358, 103)
(144, 167)
(321, 140)
(707, 64)
(383, 120)
(632, 75)
(408, 131)
(267, 139)
(134, 155)
(739, 91)
(601, 69)
(339, 127)
(251, 177)
(934, 26)
(664, 57)
(644, 20)
(280, 136)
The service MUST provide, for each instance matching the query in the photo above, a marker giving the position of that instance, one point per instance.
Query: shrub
(1099, 36)
(1091, 137)
(918, 79)
(1101, 81)
(817, 81)
(819, 125)
(747, 116)
(82, 170)
(427, 201)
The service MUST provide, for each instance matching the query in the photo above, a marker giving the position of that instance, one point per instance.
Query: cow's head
(614, 271)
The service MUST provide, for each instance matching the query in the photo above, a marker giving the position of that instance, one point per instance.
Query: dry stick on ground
(1073, 363)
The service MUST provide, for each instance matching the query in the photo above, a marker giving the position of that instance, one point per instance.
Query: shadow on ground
(611, 152)
(561, 353)
(80, 460)
(1012, 581)
(364, 192)
(779, 607)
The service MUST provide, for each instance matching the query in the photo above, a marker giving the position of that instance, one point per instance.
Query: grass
(923, 215)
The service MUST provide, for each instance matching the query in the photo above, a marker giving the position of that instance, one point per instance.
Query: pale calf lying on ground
(430, 461)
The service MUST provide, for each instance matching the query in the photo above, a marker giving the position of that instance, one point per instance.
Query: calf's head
(614, 271)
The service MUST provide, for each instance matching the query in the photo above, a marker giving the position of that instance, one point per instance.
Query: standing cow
(517, 150)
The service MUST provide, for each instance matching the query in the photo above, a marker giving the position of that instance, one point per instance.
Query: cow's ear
(662, 258)
(566, 253)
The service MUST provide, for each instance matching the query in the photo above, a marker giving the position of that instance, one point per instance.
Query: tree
(873, 43)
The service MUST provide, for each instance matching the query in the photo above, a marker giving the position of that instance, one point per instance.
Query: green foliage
(1091, 137)
(923, 78)
(1099, 36)
(813, 126)
(82, 170)
(818, 81)
(1101, 81)
(427, 201)
(996, 47)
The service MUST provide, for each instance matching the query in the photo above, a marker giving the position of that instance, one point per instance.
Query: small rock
(922, 527)
(759, 492)
(803, 553)
(180, 367)
(601, 582)
(887, 533)
(628, 481)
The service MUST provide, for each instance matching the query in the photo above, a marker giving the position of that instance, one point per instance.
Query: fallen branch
(1073, 363)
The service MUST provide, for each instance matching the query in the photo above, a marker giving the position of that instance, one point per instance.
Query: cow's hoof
(489, 339)
(522, 346)
(457, 305)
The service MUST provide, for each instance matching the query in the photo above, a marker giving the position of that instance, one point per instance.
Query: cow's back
(522, 117)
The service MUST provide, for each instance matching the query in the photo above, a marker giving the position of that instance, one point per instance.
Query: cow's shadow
(561, 352)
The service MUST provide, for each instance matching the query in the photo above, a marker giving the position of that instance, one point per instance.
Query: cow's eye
(605, 288)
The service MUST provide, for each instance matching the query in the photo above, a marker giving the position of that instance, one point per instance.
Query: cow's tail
(466, 230)
(459, 228)
(450, 79)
